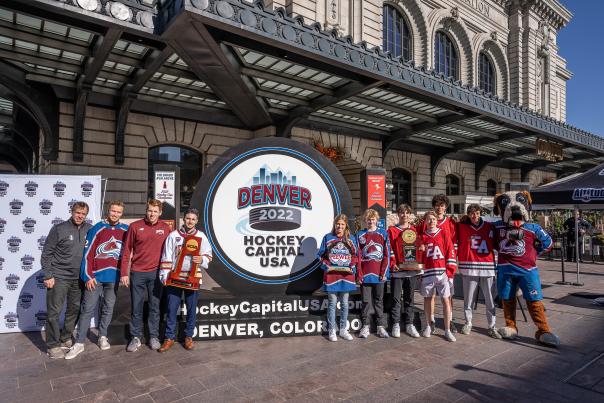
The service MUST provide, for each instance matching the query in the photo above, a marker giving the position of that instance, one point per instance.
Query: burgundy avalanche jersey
(521, 254)
(374, 255)
(475, 249)
(339, 252)
(102, 252)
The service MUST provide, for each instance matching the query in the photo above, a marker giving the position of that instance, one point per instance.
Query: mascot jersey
(102, 252)
(475, 249)
(439, 254)
(521, 254)
(374, 256)
(340, 252)
(396, 250)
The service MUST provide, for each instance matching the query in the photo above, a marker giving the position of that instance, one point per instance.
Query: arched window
(401, 182)
(446, 60)
(453, 186)
(491, 187)
(189, 162)
(397, 35)
(486, 73)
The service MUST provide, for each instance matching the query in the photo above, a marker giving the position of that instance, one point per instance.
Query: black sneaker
(433, 327)
(452, 327)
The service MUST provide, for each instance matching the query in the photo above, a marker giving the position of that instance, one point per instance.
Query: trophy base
(335, 269)
(410, 266)
(185, 284)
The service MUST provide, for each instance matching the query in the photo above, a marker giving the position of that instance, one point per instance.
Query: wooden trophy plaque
(186, 274)
(410, 252)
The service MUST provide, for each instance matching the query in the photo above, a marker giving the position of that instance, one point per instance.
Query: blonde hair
(154, 203)
(118, 203)
(370, 213)
(430, 213)
(341, 217)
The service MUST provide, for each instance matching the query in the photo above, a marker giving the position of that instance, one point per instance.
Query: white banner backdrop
(29, 206)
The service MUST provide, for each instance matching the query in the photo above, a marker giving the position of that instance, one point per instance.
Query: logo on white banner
(29, 225)
(13, 244)
(3, 188)
(15, 206)
(31, 188)
(25, 300)
(12, 282)
(87, 189)
(11, 320)
(45, 207)
(59, 188)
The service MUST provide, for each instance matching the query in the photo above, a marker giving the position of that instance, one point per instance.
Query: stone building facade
(518, 37)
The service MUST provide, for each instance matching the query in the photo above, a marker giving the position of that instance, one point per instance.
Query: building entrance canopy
(235, 63)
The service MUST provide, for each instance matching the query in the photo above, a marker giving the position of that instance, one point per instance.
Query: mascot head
(513, 207)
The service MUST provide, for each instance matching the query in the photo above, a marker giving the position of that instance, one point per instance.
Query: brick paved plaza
(475, 368)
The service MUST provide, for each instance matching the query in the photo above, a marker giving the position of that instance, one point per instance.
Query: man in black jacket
(61, 260)
(569, 226)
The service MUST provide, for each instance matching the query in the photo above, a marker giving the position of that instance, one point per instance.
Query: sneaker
(364, 333)
(396, 330)
(332, 335)
(104, 343)
(452, 327)
(433, 328)
(67, 344)
(381, 331)
(134, 344)
(427, 332)
(56, 352)
(154, 343)
(466, 329)
(74, 351)
(494, 333)
(411, 331)
(449, 336)
(345, 334)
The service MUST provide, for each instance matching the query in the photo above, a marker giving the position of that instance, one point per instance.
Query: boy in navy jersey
(373, 272)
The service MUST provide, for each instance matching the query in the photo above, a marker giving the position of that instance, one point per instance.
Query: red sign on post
(376, 190)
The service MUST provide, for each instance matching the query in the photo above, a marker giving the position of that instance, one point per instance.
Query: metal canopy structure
(235, 63)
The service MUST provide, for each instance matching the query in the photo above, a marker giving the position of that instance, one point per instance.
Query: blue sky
(581, 44)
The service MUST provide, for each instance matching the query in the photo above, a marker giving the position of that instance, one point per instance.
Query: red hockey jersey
(447, 224)
(475, 249)
(439, 255)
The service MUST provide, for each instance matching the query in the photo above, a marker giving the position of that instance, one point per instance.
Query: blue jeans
(106, 291)
(174, 298)
(141, 283)
(332, 301)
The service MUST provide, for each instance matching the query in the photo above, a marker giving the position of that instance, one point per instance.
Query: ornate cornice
(252, 19)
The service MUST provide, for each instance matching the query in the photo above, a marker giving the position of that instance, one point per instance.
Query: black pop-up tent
(583, 191)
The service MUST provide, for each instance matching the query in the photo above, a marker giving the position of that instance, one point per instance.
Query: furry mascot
(519, 242)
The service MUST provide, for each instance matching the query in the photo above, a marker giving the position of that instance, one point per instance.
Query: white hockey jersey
(172, 248)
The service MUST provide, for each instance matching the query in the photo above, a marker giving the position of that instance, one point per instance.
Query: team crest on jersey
(339, 255)
(514, 248)
(373, 251)
(109, 249)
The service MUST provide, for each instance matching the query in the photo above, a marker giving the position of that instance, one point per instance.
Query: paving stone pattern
(475, 368)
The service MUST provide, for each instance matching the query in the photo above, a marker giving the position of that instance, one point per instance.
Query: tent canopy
(585, 191)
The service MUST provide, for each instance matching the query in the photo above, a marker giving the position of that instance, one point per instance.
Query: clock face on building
(266, 205)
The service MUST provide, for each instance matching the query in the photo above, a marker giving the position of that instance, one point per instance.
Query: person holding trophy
(338, 255)
(406, 266)
(186, 251)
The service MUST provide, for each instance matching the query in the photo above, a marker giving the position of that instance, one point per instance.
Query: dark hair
(440, 199)
(191, 210)
(473, 208)
(404, 207)
(79, 205)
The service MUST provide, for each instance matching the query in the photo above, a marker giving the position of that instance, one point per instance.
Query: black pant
(571, 249)
(70, 290)
(373, 297)
(407, 286)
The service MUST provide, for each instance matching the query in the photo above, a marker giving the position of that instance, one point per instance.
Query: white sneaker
(381, 331)
(364, 333)
(449, 336)
(427, 332)
(74, 351)
(345, 334)
(466, 329)
(411, 331)
(332, 335)
(134, 344)
(396, 330)
(104, 343)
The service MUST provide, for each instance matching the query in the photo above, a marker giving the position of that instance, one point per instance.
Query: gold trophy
(409, 252)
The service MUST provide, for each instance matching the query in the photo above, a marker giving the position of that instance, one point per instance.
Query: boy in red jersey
(477, 265)
(439, 256)
(440, 204)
